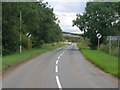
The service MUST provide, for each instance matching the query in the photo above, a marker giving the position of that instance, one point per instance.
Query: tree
(37, 18)
(98, 18)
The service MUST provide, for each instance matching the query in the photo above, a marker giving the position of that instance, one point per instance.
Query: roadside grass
(14, 59)
(101, 59)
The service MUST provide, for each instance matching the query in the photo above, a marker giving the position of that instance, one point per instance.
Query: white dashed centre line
(56, 62)
(56, 69)
(61, 54)
(58, 82)
(59, 57)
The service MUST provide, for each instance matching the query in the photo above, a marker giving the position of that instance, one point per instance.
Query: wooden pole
(98, 43)
(20, 32)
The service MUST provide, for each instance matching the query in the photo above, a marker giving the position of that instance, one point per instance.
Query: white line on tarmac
(56, 69)
(56, 62)
(59, 57)
(61, 54)
(58, 83)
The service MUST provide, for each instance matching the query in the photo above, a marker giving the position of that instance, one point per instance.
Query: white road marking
(61, 54)
(59, 57)
(56, 69)
(57, 62)
(58, 82)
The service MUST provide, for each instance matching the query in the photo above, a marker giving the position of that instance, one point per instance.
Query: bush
(84, 41)
(115, 52)
(114, 48)
(26, 42)
(93, 43)
(104, 48)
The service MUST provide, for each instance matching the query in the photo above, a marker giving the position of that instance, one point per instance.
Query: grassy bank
(101, 59)
(11, 60)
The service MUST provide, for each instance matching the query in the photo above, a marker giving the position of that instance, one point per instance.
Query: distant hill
(71, 34)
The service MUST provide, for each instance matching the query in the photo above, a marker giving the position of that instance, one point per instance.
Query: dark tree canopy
(37, 19)
(99, 17)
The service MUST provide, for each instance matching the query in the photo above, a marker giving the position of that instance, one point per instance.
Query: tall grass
(105, 48)
(101, 59)
(11, 60)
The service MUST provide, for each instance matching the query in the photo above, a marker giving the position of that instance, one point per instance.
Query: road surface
(64, 67)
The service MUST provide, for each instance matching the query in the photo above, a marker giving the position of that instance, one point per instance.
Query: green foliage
(14, 59)
(26, 42)
(71, 39)
(84, 42)
(115, 51)
(98, 18)
(102, 60)
(37, 19)
(104, 48)
(114, 48)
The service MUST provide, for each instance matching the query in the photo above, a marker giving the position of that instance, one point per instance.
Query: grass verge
(12, 60)
(102, 60)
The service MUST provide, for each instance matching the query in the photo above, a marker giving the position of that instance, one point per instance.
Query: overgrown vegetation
(71, 39)
(37, 18)
(106, 62)
(114, 48)
(12, 60)
(99, 17)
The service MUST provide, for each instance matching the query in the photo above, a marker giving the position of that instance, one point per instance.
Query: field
(101, 59)
(11, 60)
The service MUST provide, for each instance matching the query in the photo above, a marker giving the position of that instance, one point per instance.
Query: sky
(66, 11)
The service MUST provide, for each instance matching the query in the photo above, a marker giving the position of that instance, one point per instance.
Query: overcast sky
(66, 11)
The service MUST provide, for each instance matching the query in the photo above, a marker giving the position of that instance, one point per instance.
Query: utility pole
(98, 43)
(20, 31)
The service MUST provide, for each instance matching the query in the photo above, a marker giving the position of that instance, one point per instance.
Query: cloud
(66, 11)
(68, 6)
(66, 21)
(67, 0)
(59, 8)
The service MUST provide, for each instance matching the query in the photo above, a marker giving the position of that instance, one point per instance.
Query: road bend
(64, 67)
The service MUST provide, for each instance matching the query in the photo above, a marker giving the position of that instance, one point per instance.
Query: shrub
(115, 51)
(26, 42)
(105, 48)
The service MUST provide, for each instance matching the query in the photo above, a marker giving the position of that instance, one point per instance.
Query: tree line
(37, 19)
(99, 17)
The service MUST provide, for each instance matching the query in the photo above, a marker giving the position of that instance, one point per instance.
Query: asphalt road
(60, 68)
